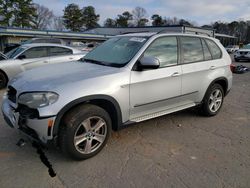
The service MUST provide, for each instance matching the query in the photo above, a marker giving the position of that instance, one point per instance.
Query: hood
(48, 78)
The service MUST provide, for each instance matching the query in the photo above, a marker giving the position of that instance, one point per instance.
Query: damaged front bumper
(37, 128)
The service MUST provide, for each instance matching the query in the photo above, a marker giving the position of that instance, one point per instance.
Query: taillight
(232, 67)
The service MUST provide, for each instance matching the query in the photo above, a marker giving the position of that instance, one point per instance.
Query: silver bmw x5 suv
(129, 78)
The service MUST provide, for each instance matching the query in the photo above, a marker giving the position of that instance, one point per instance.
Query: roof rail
(189, 29)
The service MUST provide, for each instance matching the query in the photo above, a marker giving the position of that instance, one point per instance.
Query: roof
(50, 44)
(10, 31)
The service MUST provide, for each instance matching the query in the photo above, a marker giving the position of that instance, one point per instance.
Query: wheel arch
(6, 76)
(222, 81)
(106, 102)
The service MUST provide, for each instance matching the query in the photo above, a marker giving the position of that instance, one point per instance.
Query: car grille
(243, 53)
(11, 94)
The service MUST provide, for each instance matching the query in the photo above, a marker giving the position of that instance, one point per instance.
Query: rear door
(156, 90)
(61, 54)
(196, 66)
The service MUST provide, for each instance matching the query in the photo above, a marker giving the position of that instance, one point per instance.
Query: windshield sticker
(136, 39)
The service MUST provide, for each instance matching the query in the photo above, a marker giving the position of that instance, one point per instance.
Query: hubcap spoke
(98, 125)
(211, 105)
(218, 99)
(99, 137)
(87, 125)
(217, 92)
(88, 146)
(79, 139)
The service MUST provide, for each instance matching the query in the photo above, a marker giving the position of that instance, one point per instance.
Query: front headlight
(38, 99)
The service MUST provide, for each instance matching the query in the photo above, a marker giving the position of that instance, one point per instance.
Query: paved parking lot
(177, 150)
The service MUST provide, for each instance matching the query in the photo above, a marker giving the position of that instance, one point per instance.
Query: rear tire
(237, 60)
(213, 100)
(85, 131)
(3, 80)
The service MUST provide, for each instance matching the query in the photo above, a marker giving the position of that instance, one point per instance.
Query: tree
(123, 20)
(42, 18)
(157, 20)
(73, 17)
(6, 12)
(58, 23)
(139, 16)
(109, 22)
(24, 12)
(184, 22)
(89, 17)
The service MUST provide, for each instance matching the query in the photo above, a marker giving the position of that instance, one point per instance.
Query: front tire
(213, 100)
(85, 131)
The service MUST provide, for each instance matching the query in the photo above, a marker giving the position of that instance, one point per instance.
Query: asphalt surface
(177, 150)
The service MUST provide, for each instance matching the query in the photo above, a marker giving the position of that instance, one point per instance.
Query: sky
(200, 11)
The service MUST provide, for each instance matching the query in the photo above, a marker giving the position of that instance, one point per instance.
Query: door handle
(212, 67)
(71, 58)
(45, 61)
(175, 74)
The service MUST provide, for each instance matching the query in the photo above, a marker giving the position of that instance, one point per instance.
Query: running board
(161, 113)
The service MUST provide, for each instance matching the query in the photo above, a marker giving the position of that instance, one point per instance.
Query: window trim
(134, 68)
(203, 40)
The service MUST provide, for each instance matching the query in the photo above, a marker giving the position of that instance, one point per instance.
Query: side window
(55, 51)
(164, 49)
(191, 49)
(36, 52)
(207, 54)
(215, 50)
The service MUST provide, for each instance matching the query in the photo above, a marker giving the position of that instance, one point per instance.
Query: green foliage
(24, 12)
(73, 17)
(123, 20)
(89, 17)
(6, 12)
(157, 20)
(109, 22)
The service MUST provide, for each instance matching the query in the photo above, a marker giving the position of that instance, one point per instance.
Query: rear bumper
(38, 129)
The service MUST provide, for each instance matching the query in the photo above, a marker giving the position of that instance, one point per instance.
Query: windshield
(14, 52)
(116, 52)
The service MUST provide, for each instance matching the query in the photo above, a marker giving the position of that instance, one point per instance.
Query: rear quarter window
(214, 49)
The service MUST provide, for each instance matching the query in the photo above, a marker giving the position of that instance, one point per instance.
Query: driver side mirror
(148, 62)
(21, 57)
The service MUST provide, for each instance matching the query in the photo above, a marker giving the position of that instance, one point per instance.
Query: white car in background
(242, 54)
(232, 48)
(33, 55)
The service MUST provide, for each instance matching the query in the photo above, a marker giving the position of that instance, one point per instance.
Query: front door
(153, 91)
